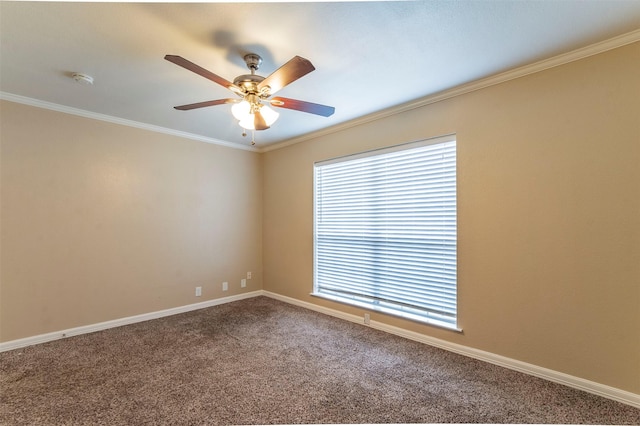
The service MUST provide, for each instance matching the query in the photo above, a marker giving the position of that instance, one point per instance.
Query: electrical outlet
(198, 291)
(243, 282)
(248, 275)
(367, 319)
(225, 286)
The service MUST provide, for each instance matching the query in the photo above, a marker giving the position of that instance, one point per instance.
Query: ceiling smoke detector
(82, 78)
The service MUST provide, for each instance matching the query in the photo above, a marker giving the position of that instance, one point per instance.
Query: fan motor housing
(248, 82)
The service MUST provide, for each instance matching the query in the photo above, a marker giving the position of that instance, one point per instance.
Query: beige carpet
(260, 361)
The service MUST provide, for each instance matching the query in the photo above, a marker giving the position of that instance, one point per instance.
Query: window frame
(369, 306)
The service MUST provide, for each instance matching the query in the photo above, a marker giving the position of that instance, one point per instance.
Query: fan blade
(303, 106)
(288, 73)
(206, 104)
(184, 63)
(258, 121)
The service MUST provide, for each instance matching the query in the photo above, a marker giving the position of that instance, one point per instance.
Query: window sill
(407, 316)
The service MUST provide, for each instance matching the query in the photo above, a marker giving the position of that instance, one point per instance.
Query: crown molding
(493, 80)
(116, 120)
(555, 61)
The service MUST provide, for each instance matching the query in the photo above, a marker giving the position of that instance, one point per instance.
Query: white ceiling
(369, 56)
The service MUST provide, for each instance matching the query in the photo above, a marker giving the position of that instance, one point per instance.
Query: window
(385, 231)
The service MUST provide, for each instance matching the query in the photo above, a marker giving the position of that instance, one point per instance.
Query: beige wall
(548, 215)
(101, 221)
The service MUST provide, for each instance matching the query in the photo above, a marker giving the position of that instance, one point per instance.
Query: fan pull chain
(253, 135)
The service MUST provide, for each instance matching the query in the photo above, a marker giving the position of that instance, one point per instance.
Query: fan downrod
(249, 82)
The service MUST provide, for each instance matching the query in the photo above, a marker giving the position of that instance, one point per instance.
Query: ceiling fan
(255, 91)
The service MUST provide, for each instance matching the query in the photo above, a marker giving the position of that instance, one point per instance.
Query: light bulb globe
(270, 116)
(248, 122)
(241, 110)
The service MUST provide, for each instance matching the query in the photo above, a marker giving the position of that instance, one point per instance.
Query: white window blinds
(385, 231)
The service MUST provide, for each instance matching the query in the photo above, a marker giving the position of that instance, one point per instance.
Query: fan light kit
(252, 111)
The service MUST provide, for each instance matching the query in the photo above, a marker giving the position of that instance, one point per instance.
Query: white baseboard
(605, 391)
(56, 335)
